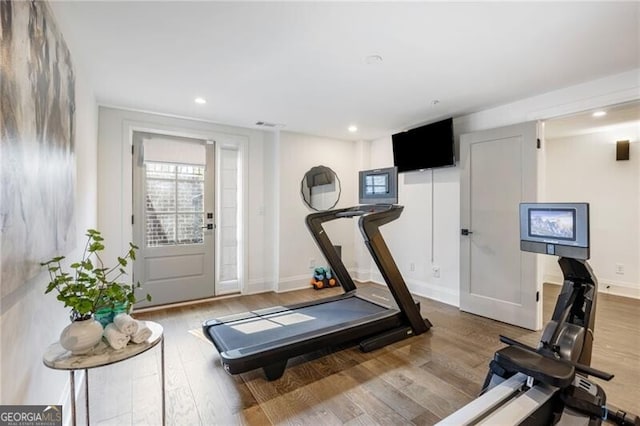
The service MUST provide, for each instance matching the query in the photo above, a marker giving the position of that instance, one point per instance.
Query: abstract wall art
(37, 106)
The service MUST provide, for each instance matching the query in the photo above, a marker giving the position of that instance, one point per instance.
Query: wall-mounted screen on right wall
(560, 229)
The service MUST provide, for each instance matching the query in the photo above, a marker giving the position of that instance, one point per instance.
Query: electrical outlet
(312, 263)
(412, 266)
(619, 269)
(436, 271)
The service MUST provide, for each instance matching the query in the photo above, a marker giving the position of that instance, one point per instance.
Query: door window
(174, 204)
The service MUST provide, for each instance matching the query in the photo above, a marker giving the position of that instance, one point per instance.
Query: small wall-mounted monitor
(560, 229)
(378, 186)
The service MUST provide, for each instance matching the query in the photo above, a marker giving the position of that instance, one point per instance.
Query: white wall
(30, 320)
(426, 234)
(410, 236)
(115, 188)
(584, 168)
(297, 154)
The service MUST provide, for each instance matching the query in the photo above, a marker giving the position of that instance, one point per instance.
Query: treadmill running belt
(290, 323)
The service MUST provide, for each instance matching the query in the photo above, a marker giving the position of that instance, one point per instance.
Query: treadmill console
(364, 209)
(378, 186)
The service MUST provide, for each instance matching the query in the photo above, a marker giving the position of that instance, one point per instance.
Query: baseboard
(256, 286)
(552, 279)
(619, 290)
(293, 283)
(608, 287)
(437, 293)
(429, 291)
(362, 275)
(301, 282)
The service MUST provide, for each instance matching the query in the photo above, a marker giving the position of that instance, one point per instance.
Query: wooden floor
(417, 381)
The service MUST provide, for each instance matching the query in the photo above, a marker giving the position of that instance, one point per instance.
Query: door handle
(465, 231)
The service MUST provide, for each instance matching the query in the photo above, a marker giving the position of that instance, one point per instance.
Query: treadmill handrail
(314, 223)
(370, 228)
(371, 217)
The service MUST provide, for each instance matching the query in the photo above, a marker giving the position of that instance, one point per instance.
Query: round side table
(58, 358)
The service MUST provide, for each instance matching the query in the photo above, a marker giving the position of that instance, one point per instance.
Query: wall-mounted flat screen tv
(424, 147)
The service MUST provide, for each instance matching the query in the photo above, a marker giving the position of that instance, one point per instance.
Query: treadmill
(267, 338)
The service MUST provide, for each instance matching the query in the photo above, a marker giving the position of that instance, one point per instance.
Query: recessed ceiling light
(200, 101)
(599, 113)
(353, 128)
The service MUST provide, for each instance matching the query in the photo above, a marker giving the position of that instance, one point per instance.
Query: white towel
(126, 324)
(142, 334)
(116, 339)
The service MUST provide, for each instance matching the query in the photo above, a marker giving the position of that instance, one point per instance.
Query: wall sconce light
(622, 150)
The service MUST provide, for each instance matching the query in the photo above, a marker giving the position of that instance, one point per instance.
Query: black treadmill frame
(399, 320)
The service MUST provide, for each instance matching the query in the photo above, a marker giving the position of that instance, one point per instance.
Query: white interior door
(173, 222)
(498, 172)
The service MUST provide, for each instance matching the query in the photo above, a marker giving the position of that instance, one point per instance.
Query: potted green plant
(90, 287)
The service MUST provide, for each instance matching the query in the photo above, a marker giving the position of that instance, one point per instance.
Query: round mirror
(320, 188)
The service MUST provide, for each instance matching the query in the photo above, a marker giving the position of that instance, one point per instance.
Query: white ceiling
(303, 64)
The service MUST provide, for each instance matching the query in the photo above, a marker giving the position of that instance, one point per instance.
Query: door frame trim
(129, 127)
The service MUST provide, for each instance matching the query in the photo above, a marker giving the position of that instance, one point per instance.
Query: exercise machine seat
(543, 369)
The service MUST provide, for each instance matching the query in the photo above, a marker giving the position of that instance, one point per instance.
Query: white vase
(81, 336)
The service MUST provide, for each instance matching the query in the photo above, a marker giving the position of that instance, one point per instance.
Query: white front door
(498, 172)
(173, 223)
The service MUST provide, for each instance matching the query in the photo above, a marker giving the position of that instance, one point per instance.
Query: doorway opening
(580, 164)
